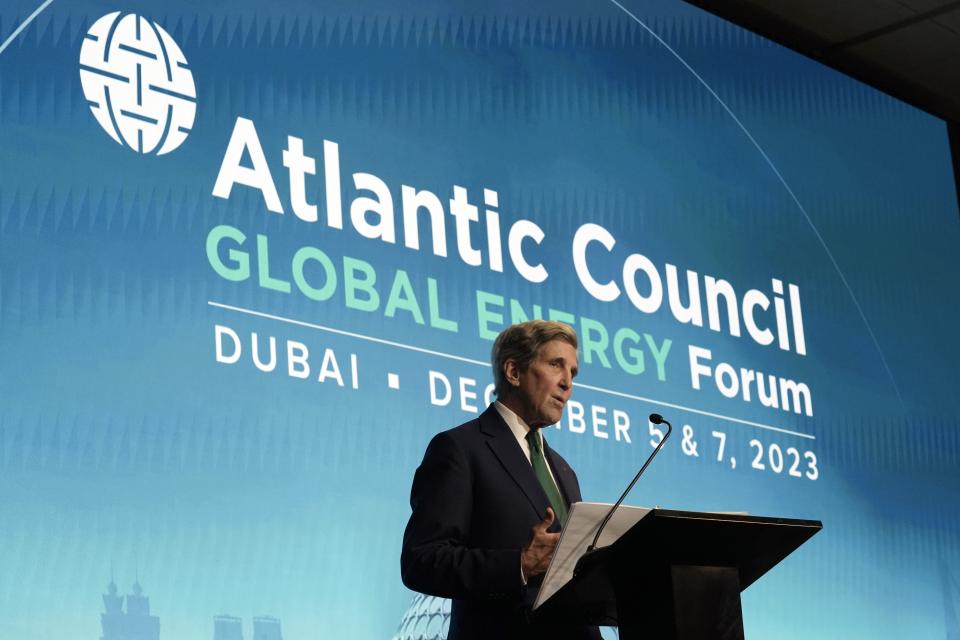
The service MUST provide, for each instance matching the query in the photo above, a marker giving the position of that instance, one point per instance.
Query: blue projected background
(252, 257)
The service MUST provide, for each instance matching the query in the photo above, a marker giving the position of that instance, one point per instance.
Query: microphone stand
(592, 550)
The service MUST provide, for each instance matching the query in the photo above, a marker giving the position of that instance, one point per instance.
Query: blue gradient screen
(253, 256)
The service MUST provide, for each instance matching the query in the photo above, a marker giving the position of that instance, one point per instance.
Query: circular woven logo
(137, 83)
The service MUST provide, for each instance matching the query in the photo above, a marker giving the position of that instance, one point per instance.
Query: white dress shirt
(520, 430)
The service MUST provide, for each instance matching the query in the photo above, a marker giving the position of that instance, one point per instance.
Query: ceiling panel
(907, 48)
(834, 21)
(923, 6)
(950, 20)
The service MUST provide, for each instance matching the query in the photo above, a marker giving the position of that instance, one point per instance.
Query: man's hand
(535, 557)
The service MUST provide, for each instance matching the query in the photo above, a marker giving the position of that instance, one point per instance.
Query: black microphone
(655, 418)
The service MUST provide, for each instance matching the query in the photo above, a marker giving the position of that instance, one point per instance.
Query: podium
(677, 575)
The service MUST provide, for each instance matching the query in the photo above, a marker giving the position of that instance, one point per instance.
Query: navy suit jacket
(475, 498)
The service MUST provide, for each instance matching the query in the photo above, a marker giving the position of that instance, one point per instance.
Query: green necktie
(546, 480)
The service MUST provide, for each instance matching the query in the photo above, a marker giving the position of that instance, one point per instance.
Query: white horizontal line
(758, 425)
(341, 332)
(441, 354)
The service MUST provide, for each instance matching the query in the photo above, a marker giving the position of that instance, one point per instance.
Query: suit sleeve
(436, 558)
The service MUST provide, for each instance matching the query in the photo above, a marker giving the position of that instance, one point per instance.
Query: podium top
(661, 539)
(753, 544)
(734, 517)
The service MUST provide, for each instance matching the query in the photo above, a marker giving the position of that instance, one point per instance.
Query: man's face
(546, 385)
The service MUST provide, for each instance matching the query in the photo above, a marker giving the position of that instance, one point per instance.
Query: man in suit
(490, 496)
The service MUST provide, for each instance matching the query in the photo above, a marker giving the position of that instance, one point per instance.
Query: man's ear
(511, 372)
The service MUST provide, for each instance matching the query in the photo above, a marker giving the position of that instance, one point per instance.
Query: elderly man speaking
(490, 496)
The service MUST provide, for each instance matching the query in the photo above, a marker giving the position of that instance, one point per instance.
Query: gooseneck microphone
(655, 418)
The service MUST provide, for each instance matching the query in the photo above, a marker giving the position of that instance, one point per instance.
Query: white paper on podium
(582, 524)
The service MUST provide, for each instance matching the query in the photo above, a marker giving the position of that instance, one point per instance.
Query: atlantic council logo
(138, 83)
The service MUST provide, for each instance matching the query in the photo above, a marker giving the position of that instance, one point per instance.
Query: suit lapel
(507, 450)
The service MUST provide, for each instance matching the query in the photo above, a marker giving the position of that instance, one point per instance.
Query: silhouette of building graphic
(227, 628)
(135, 623)
(427, 618)
(266, 628)
(231, 628)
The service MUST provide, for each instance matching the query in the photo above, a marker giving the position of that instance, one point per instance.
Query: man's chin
(553, 418)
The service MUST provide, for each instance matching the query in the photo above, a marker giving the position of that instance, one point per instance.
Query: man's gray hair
(520, 343)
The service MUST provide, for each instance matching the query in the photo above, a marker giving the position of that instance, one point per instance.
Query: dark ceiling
(907, 48)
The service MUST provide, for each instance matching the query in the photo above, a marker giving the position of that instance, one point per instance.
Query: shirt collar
(518, 427)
